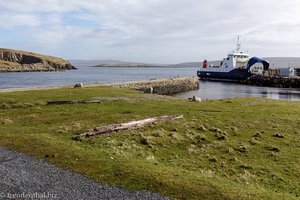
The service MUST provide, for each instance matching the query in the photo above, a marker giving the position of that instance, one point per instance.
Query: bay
(90, 75)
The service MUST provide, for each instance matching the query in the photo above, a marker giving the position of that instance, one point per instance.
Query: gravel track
(25, 177)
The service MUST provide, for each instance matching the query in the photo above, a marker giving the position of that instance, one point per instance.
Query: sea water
(90, 75)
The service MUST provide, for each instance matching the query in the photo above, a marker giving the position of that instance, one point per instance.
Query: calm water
(87, 75)
(218, 90)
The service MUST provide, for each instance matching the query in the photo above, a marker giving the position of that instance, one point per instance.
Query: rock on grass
(278, 135)
(272, 148)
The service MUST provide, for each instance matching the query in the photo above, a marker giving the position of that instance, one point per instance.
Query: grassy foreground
(242, 148)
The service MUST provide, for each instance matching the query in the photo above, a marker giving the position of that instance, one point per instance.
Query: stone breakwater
(273, 81)
(162, 86)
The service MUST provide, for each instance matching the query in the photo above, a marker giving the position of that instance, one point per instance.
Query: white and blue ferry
(237, 66)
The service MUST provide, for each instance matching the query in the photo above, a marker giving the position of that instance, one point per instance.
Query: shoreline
(204, 93)
(37, 70)
(186, 84)
(7, 90)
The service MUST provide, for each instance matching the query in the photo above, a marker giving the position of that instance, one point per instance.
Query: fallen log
(72, 102)
(126, 126)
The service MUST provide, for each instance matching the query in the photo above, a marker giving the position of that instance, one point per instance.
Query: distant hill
(111, 63)
(283, 62)
(186, 64)
(275, 62)
(22, 61)
(89, 63)
(126, 64)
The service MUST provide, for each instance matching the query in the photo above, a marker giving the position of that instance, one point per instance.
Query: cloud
(153, 30)
(10, 21)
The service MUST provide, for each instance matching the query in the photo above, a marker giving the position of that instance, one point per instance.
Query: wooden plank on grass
(127, 126)
(72, 102)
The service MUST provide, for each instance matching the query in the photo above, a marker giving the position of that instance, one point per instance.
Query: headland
(24, 61)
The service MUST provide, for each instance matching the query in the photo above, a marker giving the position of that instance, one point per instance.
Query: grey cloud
(168, 30)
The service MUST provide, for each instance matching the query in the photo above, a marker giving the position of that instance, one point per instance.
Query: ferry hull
(234, 75)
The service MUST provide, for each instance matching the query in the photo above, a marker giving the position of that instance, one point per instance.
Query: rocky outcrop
(162, 86)
(22, 61)
(273, 81)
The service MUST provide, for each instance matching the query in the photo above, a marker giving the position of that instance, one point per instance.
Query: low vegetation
(242, 148)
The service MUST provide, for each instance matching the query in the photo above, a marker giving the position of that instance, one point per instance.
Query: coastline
(164, 86)
(35, 70)
(207, 90)
(7, 90)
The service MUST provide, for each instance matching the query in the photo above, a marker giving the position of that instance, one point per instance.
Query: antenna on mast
(238, 44)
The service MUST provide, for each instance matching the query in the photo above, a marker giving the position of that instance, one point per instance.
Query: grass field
(242, 148)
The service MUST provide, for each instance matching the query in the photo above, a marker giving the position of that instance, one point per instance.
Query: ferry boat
(237, 66)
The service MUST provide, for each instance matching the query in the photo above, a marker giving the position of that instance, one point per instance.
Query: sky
(151, 31)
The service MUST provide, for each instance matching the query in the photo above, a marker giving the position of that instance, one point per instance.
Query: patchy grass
(242, 148)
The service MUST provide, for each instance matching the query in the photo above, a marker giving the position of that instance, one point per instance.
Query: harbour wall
(273, 81)
(162, 86)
